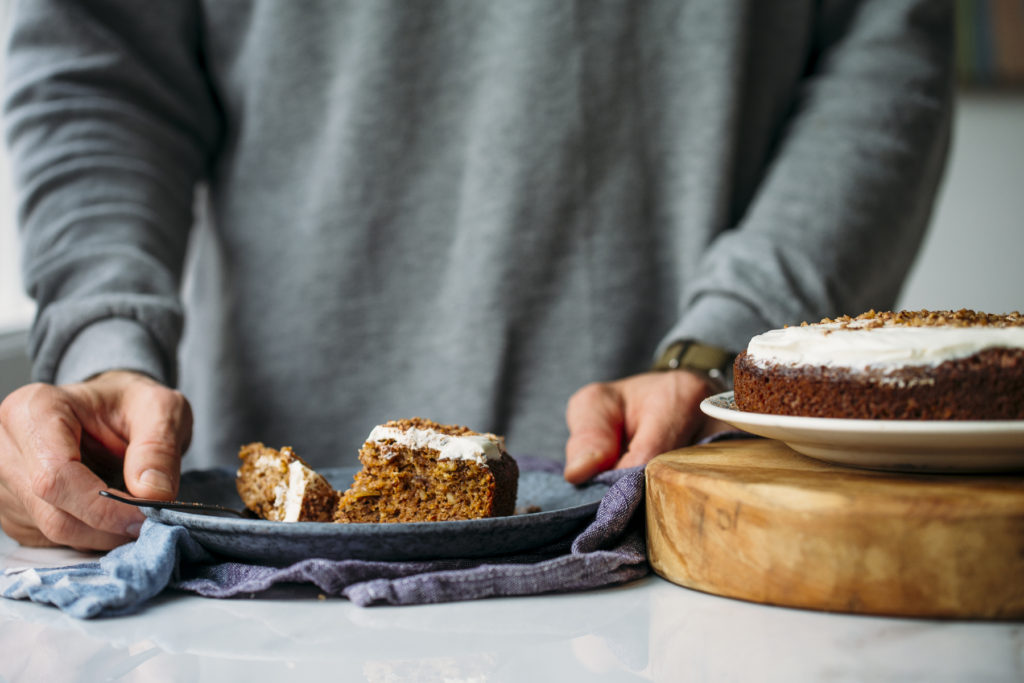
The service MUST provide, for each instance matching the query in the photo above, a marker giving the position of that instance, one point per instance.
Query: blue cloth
(610, 550)
(119, 583)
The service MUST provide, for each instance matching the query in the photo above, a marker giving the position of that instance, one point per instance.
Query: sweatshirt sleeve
(110, 123)
(843, 206)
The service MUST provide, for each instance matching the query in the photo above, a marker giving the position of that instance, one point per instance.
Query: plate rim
(710, 406)
(909, 446)
(199, 520)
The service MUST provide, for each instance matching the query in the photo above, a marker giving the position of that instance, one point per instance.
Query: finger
(25, 534)
(67, 530)
(657, 432)
(159, 423)
(595, 419)
(52, 477)
(70, 510)
(653, 437)
(63, 529)
(16, 523)
(664, 418)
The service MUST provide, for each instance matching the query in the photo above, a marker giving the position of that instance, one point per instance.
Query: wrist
(712, 363)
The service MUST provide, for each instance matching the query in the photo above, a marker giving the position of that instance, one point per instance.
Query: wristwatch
(712, 363)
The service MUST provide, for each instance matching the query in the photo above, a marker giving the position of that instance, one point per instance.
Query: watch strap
(711, 362)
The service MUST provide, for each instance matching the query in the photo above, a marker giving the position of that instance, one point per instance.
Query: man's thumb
(159, 430)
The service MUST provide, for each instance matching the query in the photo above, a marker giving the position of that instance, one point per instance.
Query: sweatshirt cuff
(111, 344)
(718, 321)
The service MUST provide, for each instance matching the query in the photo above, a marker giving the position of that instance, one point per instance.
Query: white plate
(900, 445)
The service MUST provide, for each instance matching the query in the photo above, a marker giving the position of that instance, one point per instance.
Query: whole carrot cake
(907, 365)
(417, 470)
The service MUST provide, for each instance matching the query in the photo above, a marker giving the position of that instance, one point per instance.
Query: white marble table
(647, 630)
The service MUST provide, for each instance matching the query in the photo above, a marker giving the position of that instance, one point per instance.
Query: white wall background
(973, 256)
(15, 308)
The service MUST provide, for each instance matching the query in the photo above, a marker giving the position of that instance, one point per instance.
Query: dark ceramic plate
(564, 509)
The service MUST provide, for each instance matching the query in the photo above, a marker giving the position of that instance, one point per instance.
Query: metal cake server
(198, 508)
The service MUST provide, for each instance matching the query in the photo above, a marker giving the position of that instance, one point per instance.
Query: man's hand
(628, 422)
(60, 445)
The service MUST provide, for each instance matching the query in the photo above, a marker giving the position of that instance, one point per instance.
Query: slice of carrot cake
(417, 470)
(279, 486)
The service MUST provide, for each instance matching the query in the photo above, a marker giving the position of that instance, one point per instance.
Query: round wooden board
(754, 520)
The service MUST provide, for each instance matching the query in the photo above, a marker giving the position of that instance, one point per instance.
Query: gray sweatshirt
(456, 209)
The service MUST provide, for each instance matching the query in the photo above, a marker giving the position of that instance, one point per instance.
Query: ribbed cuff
(111, 344)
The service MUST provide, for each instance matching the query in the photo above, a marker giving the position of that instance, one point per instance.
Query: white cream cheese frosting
(297, 482)
(287, 497)
(476, 447)
(861, 344)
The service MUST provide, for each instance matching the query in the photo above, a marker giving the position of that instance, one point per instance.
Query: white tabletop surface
(647, 630)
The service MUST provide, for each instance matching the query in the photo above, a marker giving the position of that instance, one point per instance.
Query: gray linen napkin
(610, 550)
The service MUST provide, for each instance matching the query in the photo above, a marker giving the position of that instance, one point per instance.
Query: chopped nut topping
(924, 318)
